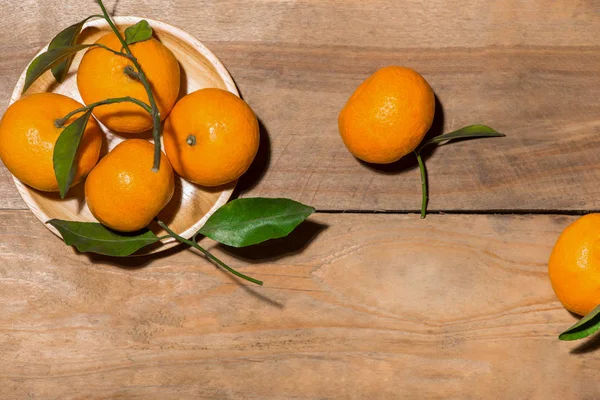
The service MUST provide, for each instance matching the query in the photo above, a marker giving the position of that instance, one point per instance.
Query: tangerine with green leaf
(102, 75)
(28, 134)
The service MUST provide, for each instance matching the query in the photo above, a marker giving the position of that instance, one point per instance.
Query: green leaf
(91, 237)
(67, 38)
(47, 60)
(138, 32)
(245, 222)
(587, 326)
(65, 151)
(468, 132)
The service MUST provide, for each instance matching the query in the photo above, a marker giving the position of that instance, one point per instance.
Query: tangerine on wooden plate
(191, 205)
(123, 192)
(211, 137)
(101, 76)
(28, 134)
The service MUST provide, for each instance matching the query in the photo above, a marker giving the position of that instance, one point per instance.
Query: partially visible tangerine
(574, 266)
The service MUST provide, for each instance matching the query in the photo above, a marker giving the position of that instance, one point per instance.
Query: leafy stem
(59, 123)
(241, 223)
(424, 188)
(118, 53)
(208, 254)
(132, 73)
(468, 132)
(156, 129)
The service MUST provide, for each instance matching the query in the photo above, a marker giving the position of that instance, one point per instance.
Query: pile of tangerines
(211, 138)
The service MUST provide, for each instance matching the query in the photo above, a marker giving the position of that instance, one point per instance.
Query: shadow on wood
(409, 162)
(260, 165)
(115, 7)
(591, 344)
(133, 262)
(253, 290)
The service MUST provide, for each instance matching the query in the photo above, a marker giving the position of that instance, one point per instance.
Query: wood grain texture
(531, 70)
(355, 306)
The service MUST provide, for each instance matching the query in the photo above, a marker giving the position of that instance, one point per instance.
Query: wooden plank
(543, 102)
(9, 196)
(530, 70)
(355, 306)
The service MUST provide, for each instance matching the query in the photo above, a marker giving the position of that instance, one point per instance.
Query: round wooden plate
(191, 205)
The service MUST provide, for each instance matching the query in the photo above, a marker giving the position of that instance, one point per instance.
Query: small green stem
(132, 74)
(60, 123)
(424, 188)
(208, 254)
(156, 129)
(111, 50)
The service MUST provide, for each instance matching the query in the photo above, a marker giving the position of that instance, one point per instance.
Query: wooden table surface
(357, 304)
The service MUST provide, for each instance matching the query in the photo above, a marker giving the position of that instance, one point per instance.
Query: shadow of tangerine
(183, 83)
(259, 166)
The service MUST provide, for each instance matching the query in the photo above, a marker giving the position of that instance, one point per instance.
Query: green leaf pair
(55, 57)
(66, 39)
(241, 223)
(468, 132)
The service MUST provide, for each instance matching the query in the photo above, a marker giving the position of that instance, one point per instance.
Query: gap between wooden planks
(355, 306)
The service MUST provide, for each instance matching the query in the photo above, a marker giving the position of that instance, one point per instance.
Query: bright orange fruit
(28, 135)
(574, 266)
(211, 137)
(101, 76)
(388, 115)
(123, 192)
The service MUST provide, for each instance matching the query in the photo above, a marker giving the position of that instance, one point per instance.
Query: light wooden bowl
(191, 205)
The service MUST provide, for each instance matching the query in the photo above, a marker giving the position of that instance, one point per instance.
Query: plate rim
(223, 73)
